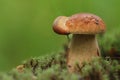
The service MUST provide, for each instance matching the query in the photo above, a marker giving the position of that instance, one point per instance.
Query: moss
(53, 66)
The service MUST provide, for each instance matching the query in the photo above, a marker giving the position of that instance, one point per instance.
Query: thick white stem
(82, 48)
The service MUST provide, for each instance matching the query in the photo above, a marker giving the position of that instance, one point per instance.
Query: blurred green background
(26, 26)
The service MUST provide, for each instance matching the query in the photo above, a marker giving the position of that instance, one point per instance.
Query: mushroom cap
(59, 25)
(83, 23)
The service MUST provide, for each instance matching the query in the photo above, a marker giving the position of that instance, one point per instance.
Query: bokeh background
(26, 26)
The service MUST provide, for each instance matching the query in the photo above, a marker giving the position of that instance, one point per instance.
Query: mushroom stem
(82, 48)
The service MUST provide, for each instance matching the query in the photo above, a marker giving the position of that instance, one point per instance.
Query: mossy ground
(53, 66)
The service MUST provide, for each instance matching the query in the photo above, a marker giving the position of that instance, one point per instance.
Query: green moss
(53, 66)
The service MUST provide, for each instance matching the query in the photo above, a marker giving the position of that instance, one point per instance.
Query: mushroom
(83, 45)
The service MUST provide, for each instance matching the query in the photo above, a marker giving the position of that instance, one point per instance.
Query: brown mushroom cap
(85, 24)
(59, 25)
